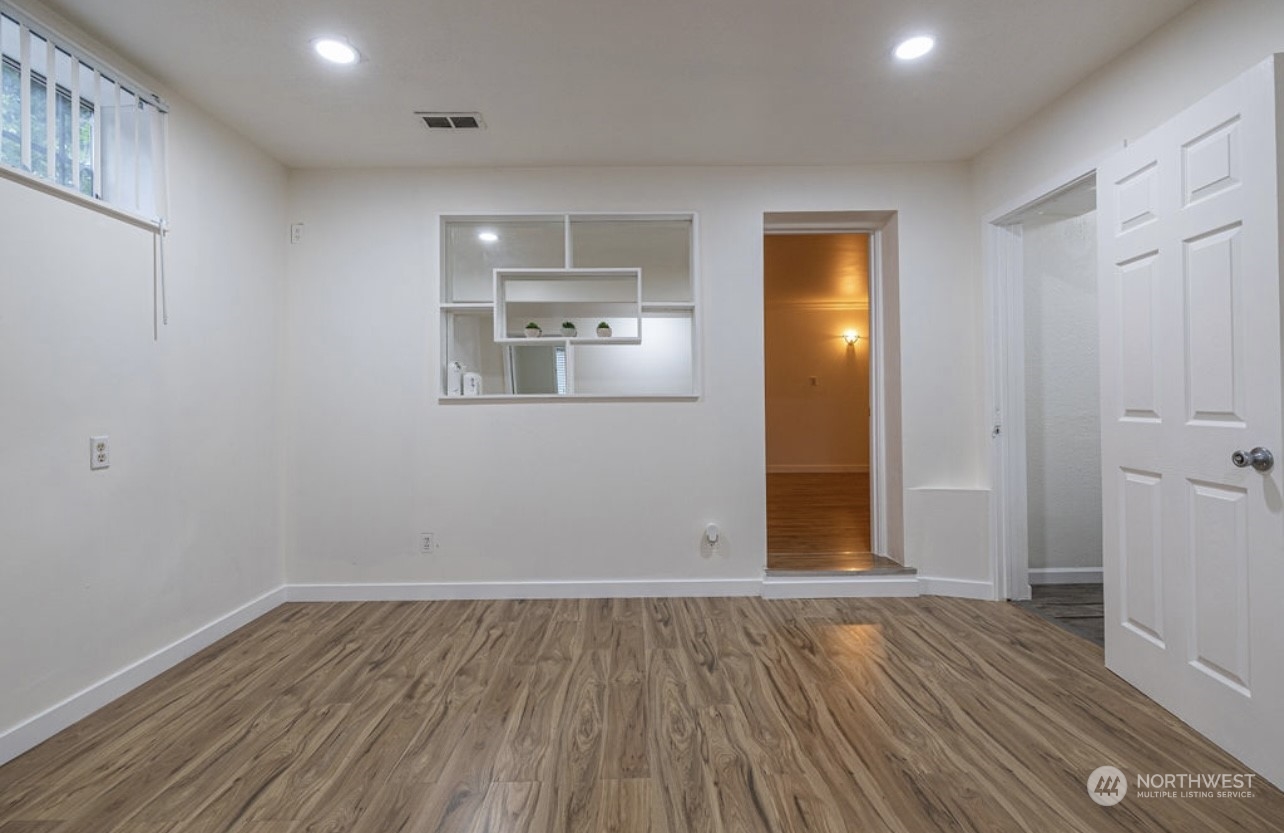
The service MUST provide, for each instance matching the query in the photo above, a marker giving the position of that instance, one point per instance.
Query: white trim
(27, 734)
(1002, 259)
(55, 189)
(1066, 575)
(825, 222)
(593, 589)
(873, 224)
(878, 531)
(818, 468)
(958, 587)
(1009, 515)
(839, 587)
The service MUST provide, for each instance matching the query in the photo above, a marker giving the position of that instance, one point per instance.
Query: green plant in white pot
(568, 329)
(533, 330)
(603, 329)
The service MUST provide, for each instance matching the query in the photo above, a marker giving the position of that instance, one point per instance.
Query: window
(69, 119)
(569, 306)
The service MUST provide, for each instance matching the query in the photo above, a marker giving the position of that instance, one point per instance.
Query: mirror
(538, 369)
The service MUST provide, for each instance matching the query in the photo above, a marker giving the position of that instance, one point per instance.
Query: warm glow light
(915, 47)
(336, 50)
(851, 336)
(487, 236)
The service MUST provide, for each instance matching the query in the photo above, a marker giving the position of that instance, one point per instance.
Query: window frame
(82, 59)
(451, 310)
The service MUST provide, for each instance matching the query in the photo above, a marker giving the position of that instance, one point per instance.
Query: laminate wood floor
(818, 522)
(663, 715)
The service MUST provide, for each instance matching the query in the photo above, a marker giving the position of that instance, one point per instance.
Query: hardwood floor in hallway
(819, 522)
(663, 715)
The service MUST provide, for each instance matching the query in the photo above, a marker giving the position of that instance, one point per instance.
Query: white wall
(1194, 54)
(1063, 420)
(568, 491)
(100, 569)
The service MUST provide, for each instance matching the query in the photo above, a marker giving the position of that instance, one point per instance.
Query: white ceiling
(622, 81)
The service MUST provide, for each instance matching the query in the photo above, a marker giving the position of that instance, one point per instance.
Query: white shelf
(668, 306)
(577, 340)
(556, 295)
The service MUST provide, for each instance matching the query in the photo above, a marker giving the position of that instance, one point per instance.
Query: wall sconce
(851, 337)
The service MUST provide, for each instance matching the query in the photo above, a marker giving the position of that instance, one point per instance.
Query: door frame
(1003, 261)
(879, 225)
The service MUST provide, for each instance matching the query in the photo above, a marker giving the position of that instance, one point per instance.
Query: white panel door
(1191, 373)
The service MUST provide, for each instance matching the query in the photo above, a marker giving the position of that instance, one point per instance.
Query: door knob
(1259, 458)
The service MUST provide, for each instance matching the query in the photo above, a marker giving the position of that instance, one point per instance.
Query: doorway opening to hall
(1055, 439)
(817, 342)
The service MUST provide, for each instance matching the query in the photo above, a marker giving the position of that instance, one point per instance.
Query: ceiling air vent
(452, 121)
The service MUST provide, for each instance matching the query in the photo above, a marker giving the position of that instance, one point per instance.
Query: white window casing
(73, 126)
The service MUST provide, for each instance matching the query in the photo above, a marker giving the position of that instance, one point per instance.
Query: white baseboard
(789, 468)
(522, 590)
(1066, 575)
(35, 730)
(957, 587)
(839, 587)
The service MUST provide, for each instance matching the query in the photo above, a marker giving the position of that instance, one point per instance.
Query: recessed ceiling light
(915, 47)
(487, 236)
(336, 50)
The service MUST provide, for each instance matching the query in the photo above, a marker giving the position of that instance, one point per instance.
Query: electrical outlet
(99, 452)
(296, 233)
(427, 542)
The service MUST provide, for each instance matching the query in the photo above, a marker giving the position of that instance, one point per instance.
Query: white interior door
(1191, 372)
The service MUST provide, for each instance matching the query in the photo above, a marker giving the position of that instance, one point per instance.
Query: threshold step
(852, 573)
(837, 584)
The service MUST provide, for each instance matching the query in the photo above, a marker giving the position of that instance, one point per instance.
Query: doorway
(1053, 427)
(817, 338)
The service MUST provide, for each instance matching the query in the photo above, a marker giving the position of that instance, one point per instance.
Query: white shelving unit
(636, 272)
(548, 297)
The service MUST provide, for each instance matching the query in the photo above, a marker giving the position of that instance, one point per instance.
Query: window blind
(71, 120)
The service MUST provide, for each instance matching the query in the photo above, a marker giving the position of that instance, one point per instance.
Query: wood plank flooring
(818, 522)
(660, 715)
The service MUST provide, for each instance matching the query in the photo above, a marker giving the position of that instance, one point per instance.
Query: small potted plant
(533, 330)
(568, 329)
(603, 329)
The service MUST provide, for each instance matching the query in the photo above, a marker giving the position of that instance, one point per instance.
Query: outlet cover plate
(99, 452)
